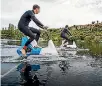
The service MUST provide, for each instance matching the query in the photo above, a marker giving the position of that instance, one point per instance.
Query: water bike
(70, 47)
(67, 46)
(50, 50)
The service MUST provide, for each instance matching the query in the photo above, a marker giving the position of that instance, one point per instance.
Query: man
(64, 32)
(29, 31)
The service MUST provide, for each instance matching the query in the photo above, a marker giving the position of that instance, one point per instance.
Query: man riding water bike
(64, 32)
(23, 26)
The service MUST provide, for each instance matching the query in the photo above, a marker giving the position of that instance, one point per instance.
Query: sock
(25, 47)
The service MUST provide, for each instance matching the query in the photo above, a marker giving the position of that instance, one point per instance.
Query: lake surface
(75, 70)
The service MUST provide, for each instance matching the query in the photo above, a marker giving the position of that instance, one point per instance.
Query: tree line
(84, 36)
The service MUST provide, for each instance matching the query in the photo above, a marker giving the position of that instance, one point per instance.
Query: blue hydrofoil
(33, 51)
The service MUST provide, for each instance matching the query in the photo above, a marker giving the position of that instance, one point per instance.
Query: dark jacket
(27, 17)
(65, 30)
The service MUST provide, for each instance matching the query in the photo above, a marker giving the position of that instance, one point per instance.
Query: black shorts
(64, 36)
(29, 31)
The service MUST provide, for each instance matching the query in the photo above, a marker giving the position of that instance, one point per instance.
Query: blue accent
(34, 51)
(34, 67)
(20, 67)
(19, 51)
(24, 40)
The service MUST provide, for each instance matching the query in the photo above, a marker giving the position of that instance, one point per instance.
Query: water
(75, 70)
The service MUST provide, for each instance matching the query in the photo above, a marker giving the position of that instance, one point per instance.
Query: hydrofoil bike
(50, 50)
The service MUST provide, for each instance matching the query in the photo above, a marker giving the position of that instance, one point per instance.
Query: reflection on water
(97, 62)
(76, 70)
(64, 65)
(26, 77)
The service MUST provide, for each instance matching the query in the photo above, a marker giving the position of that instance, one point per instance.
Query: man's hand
(45, 27)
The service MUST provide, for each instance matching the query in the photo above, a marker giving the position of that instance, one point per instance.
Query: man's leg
(27, 32)
(66, 40)
(65, 37)
(37, 33)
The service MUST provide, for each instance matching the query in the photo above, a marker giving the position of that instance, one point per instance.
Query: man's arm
(68, 32)
(38, 23)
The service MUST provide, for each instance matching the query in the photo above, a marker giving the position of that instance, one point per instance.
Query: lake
(74, 70)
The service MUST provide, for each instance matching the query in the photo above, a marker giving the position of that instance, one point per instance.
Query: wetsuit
(29, 31)
(63, 33)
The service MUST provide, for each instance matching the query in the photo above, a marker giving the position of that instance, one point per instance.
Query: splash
(67, 45)
(50, 50)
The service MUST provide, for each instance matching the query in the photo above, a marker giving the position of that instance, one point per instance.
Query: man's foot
(65, 46)
(23, 52)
